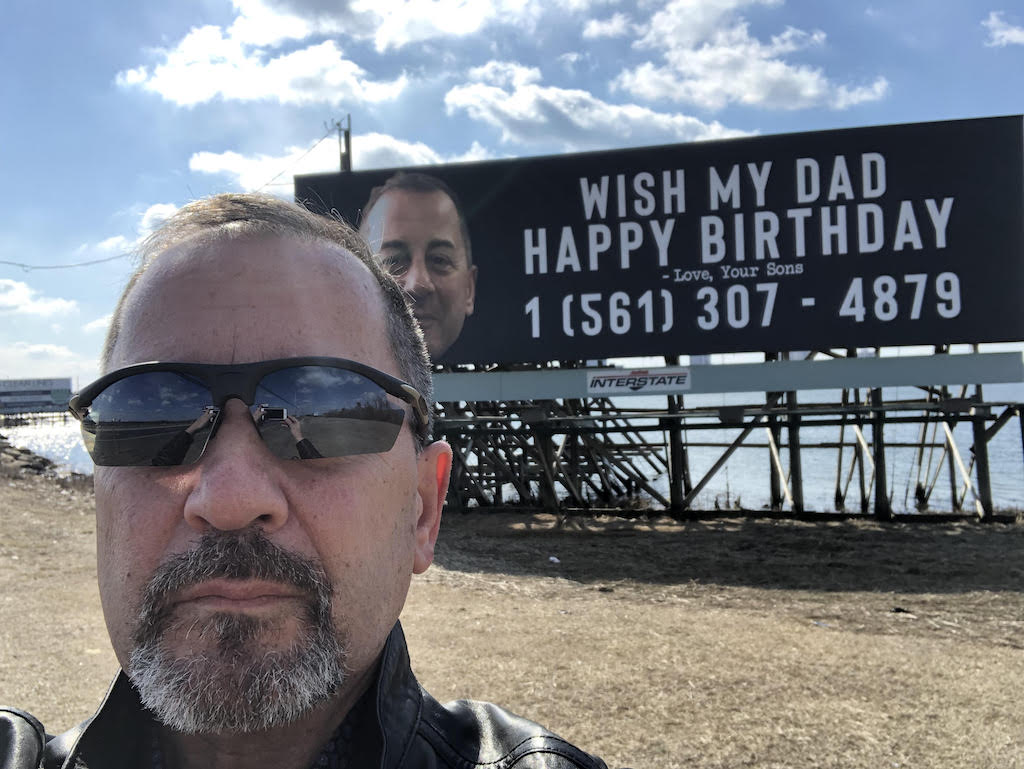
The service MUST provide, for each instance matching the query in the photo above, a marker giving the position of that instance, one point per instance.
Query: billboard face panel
(892, 235)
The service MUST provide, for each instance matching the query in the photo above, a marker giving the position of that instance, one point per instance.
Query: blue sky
(115, 117)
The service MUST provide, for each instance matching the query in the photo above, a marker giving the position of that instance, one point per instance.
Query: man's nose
(417, 280)
(238, 481)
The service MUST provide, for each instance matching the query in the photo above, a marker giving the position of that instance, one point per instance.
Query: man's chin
(202, 670)
(236, 676)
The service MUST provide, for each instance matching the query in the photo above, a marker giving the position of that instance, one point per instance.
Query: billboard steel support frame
(595, 453)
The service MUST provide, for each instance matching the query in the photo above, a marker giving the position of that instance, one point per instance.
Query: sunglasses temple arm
(419, 407)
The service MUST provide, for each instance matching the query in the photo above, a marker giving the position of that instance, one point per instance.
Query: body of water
(744, 481)
(60, 441)
(746, 476)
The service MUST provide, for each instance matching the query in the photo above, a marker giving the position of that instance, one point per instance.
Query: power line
(30, 267)
(298, 159)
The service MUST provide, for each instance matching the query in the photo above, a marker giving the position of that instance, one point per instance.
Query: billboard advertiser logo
(639, 381)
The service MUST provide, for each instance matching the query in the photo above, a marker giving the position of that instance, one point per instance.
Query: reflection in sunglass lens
(155, 418)
(336, 413)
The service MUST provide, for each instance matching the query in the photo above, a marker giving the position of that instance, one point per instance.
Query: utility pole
(344, 142)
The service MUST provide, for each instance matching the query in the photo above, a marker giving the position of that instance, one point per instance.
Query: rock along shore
(15, 461)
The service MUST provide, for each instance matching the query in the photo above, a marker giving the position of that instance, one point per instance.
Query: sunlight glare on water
(60, 442)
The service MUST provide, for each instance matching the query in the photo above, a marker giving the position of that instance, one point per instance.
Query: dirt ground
(655, 644)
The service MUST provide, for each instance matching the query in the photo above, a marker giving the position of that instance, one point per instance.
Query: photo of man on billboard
(415, 224)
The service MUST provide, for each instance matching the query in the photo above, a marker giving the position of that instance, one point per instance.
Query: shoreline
(16, 458)
(16, 461)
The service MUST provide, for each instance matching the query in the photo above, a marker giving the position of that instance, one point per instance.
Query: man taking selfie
(252, 589)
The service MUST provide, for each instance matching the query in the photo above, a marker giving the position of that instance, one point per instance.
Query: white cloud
(149, 220)
(400, 22)
(710, 59)
(847, 97)
(375, 150)
(476, 152)
(233, 62)
(587, 5)
(100, 324)
(267, 173)
(246, 60)
(134, 76)
(393, 24)
(20, 360)
(573, 119)
(154, 216)
(21, 299)
(616, 26)
(505, 73)
(116, 244)
(390, 24)
(356, 18)
(261, 25)
(1001, 33)
(289, 51)
(371, 150)
(570, 60)
(209, 64)
(686, 24)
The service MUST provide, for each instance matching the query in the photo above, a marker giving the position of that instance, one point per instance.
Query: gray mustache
(231, 555)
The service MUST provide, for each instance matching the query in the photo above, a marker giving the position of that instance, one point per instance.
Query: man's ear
(471, 294)
(435, 465)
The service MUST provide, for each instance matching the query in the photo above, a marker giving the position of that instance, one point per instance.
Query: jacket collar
(117, 736)
(399, 700)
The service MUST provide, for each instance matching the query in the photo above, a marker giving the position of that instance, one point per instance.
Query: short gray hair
(234, 216)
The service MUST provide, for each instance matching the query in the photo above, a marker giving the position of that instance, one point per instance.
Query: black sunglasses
(303, 408)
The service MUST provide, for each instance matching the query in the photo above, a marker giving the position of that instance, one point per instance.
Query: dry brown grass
(728, 643)
(737, 643)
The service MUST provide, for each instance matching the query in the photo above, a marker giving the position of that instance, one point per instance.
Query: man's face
(419, 240)
(365, 523)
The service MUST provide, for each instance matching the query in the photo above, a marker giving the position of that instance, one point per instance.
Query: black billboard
(890, 235)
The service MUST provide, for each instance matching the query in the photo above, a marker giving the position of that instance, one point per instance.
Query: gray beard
(235, 684)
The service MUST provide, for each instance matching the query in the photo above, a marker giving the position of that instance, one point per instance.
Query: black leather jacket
(418, 732)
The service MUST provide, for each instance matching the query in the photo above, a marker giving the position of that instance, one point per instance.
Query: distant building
(20, 396)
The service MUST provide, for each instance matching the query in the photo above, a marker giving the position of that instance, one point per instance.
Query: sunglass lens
(156, 418)
(319, 411)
